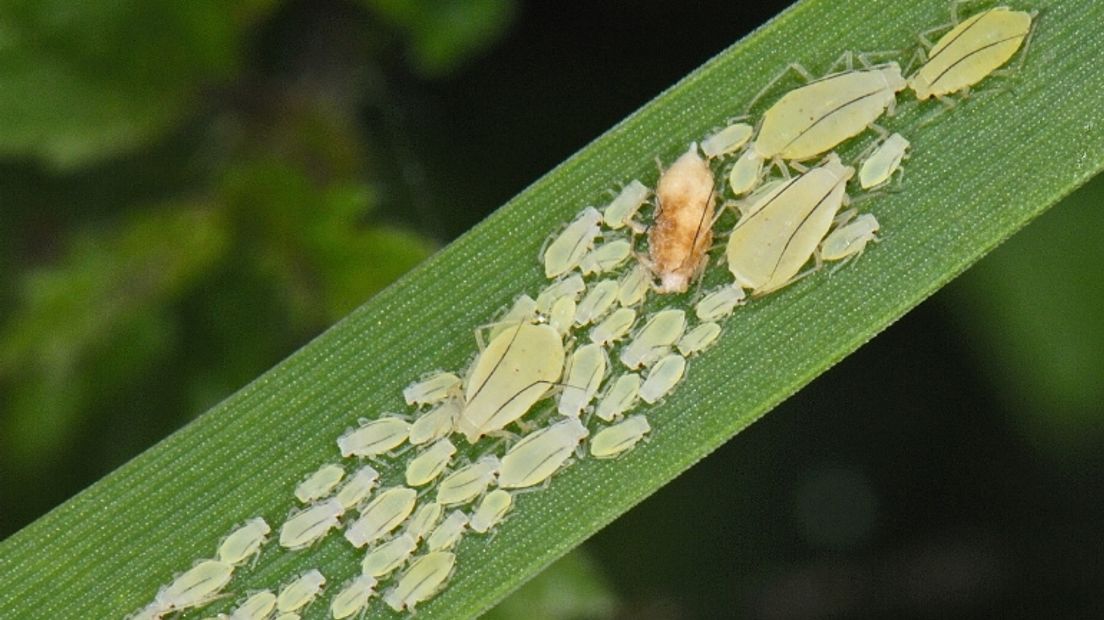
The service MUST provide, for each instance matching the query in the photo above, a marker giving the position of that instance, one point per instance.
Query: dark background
(190, 191)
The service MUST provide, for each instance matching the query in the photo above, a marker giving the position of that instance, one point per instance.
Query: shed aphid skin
(727, 140)
(613, 327)
(746, 172)
(584, 375)
(304, 527)
(698, 339)
(681, 235)
(813, 119)
(421, 581)
(244, 542)
(385, 558)
(435, 423)
(971, 51)
(425, 467)
(300, 592)
(385, 513)
(357, 488)
(719, 303)
(849, 240)
(620, 397)
(194, 587)
(258, 606)
(354, 597)
(662, 378)
(523, 311)
(319, 484)
(562, 315)
(570, 246)
(597, 302)
(662, 331)
(491, 511)
(516, 370)
(770, 245)
(606, 257)
(424, 520)
(468, 483)
(571, 286)
(883, 162)
(634, 286)
(448, 533)
(374, 438)
(621, 210)
(615, 440)
(432, 389)
(538, 455)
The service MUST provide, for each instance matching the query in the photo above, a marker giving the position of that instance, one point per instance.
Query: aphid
(634, 286)
(666, 373)
(727, 140)
(358, 486)
(467, 483)
(491, 510)
(779, 235)
(448, 533)
(424, 520)
(539, 454)
(698, 339)
(568, 248)
(305, 527)
(744, 174)
(662, 330)
(423, 468)
(194, 587)
(883, 162)
(300, 592)
(813, 119)
(562, 315)
(432, 389)
(613, 327)
(385, 513)
(320, 483)
(571, 286)
(585, 373)
(388, 556)
(523, 311)
(421, 581)
(435, 423)
(681, 235)
(619, 438)
(619, 398)
(515, 371)
(598, 300)
(244, 542)
(257, 607)
(850, 239)
(606, 257)
(719, 303)
(353, 597)
(971, 51)
(620, 212)
(375, 437)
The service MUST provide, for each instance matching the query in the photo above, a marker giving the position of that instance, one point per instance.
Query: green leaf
(977, 174)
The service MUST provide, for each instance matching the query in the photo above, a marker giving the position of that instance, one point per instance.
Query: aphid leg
(846, 60)
(919, 57)
(793, 66)
(843, 217)
(883, 133)
(797, 166)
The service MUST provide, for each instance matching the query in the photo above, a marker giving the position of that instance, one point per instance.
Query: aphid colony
(580, 363)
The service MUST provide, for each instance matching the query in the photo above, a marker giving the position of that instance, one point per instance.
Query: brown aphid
(681, 234)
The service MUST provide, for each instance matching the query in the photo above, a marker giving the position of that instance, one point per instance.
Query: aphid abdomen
(568, 248)
(971, 51)
(300, 592)
(385, 513)
(353, 597)
(421, 581)
(883, 162)
(535, 458)
(244, 542)
(385, 558)
(621, 437)
(196, 586)
(815, 118)
(491, 511)
(448, 533)
(681, 235)
(850, 239)
(257, 607)
(305, 527)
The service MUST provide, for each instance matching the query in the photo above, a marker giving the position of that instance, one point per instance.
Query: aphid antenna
(795, 67)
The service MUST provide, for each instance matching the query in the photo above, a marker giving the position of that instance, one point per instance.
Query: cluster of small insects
(573, 364)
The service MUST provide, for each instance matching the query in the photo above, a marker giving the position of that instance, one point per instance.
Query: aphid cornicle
(621, 437)
(516, 370)
(779, 233)
(353, 597)
(421, 581)
(971, 51)
(300, 592)
(382, 515)
(319, 484)
(681, 235)
(491, 511)
(244, 542)
(568, 248)
(539, 454)
(385, 558)
(305, 527)
(883, 162)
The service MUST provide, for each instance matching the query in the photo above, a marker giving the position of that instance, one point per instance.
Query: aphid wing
(805, 239)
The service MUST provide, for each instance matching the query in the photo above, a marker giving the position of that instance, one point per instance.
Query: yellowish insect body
(584, 375)
(195, 587)
(353, 598)
(661, 332)
(435, 423)
(421, 581)
(432, 389)
(357, 488)
(468, 483)
(597, 302)
(569, 247)
(570, 286)
(883, 162)
(620, 397)
(536, 457)
(424, 520)
(300, 592)
(307, 526)
(681, 235)
(634, 286)
(448, 533)
(425, 467)
(374, 438)
(719, 303)
(698, 339)
(491, 510)
(385, 558)
(244, 542)
(662, 378)
(613, 327)
(605, 257)
(257, 607)
(850, 239)
(727, 140)
(382, 515)
(615, 440)
(621, 210)
(320, 483)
